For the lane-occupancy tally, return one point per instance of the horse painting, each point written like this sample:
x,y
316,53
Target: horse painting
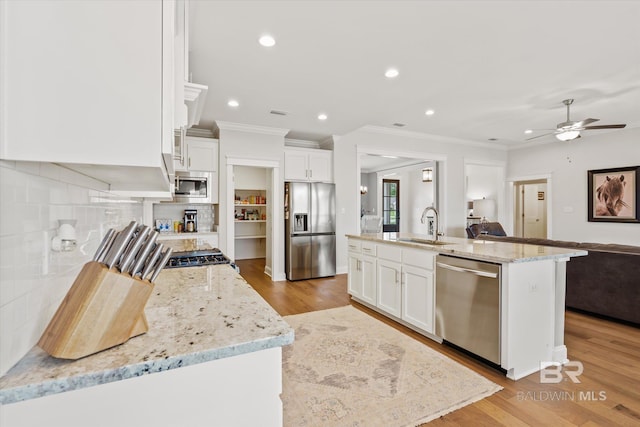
x,y
610,196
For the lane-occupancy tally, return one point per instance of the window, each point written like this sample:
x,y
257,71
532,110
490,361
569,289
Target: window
x,y
390,205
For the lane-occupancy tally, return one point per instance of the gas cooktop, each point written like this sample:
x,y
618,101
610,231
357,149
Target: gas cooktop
x,y
197,258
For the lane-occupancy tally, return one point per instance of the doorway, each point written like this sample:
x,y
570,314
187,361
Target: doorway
x,y
269,171
531,198
390,205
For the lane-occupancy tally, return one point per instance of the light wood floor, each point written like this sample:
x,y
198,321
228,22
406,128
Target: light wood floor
x,y
608,394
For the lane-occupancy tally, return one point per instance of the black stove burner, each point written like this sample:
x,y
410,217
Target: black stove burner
x,y
197,258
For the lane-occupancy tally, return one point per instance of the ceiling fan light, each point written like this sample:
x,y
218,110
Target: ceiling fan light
x,y
568,135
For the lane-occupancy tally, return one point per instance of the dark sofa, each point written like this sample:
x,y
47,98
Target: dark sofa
x,y
606,282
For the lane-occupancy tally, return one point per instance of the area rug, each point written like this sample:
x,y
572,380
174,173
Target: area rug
x,y
346,368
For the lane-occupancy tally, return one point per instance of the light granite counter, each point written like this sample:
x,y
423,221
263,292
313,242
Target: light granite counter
x,y
195,315
485,250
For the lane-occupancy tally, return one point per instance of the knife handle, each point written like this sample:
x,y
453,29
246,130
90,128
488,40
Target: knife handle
x,y
160,265
129,256
104,246
120,244
144,253
152,260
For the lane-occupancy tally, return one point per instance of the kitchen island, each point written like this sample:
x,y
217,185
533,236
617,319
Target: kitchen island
x,y
213,350
395,274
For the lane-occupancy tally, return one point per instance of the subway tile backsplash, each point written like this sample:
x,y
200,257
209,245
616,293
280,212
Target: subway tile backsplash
x,y
33,278
175,212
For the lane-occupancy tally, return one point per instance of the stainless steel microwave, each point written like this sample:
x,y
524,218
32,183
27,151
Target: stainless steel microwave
x,y
193,187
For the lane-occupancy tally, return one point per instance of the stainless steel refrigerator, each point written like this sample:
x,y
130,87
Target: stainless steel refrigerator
x,y
310,230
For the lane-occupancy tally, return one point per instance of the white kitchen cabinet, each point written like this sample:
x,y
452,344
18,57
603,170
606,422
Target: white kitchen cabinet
x,y
305,164
418,288
189,97
362,273
389,289
398,281
200,154
418,297
80,93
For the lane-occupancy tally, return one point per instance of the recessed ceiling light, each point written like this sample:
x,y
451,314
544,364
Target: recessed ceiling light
x,y
528,131
493,139
391,73
267,40
233,103
429,112
322,116
389,157
399,125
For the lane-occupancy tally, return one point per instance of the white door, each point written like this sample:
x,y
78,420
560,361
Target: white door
x,y
417,297
202,155
389,288
534,211
295,165
354,276
368,273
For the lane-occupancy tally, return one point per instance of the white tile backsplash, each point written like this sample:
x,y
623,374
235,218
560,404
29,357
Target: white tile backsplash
x,y
34,279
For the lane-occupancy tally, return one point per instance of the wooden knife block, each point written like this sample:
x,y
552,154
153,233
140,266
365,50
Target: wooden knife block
x,y
102,309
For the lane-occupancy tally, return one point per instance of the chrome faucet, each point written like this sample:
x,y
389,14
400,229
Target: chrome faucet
x,y
424,217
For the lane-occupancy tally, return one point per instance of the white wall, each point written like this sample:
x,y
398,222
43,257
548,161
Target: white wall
x,y
34,279
451,176
487,181
567,163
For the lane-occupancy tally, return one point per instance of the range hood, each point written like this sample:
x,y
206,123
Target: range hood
x,y
194,98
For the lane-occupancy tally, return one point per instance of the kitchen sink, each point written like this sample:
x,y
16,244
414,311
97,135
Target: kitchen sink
x,y
423,241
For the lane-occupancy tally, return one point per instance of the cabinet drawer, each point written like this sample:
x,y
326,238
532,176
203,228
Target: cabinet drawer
x,y
369,248
354,245
390,252
418,258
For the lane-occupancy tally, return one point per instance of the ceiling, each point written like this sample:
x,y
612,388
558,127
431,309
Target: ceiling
x,y
489,69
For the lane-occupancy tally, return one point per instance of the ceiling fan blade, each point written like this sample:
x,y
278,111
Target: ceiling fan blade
x,y
584,122
539,136
606,127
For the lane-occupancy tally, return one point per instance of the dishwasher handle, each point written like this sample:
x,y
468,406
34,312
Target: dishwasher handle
x,y
467,270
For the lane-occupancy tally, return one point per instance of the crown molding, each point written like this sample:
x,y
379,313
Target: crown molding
x,y
419,135
290,142
241,127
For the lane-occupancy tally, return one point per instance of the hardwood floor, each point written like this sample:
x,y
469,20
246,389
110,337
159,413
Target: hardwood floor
x,y
608,393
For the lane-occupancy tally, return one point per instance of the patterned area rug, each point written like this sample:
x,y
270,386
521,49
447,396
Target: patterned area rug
x,y
346,368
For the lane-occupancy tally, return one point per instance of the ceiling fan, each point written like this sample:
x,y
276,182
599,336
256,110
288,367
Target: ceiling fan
x,y
566,131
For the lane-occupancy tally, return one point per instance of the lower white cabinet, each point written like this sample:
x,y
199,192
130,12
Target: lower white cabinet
x,y
397,281
362,275
418,297
389,287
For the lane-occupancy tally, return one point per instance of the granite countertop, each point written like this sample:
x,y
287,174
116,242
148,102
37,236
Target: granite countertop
x,y
485,250
195,315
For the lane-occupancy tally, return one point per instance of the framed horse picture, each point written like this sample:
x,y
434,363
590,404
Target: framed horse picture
x,y
614,194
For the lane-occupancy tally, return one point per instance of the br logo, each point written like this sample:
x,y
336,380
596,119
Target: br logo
x,y
552,372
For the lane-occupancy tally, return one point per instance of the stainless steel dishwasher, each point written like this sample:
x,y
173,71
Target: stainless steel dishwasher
x,y
468,305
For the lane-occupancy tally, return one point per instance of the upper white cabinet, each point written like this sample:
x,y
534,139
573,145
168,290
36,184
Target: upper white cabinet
x,y
189,97
90,85
306,164
200,154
